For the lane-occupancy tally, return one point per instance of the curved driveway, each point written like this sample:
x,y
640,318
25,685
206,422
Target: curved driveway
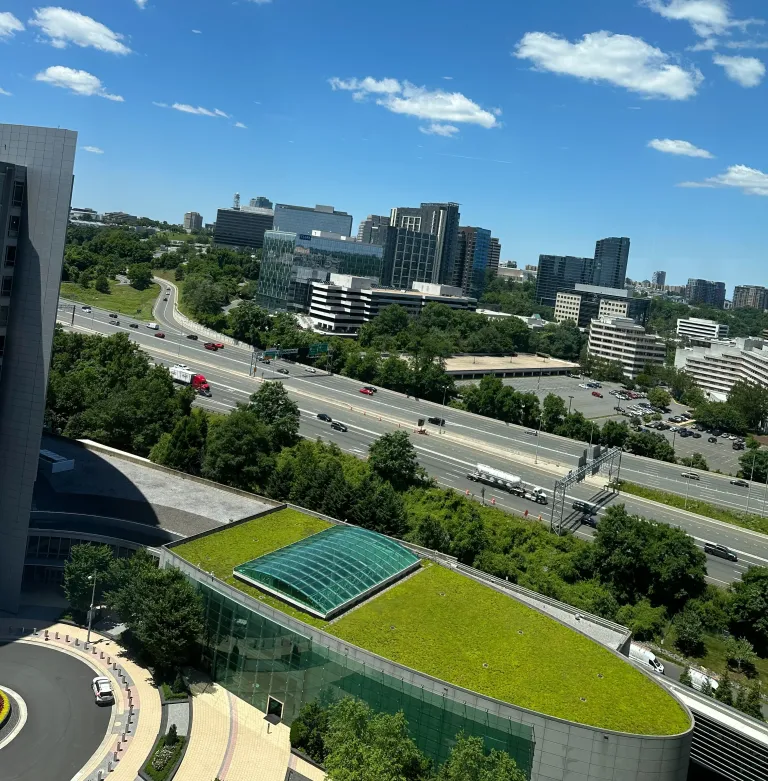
x,y
64,727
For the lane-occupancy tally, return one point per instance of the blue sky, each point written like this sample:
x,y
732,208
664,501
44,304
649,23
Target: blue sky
x,y
553,122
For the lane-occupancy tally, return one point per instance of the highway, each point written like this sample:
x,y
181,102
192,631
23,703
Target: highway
x,y
447,456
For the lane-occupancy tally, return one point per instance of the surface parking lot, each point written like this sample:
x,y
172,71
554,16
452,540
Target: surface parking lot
x,y
718,456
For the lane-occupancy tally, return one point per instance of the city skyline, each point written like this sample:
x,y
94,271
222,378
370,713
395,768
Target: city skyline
x,y
513,127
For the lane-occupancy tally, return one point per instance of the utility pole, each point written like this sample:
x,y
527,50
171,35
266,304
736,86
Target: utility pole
x,y
538,439
90,612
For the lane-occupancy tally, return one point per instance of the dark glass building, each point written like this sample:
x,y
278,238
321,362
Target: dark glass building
x,y
291,262
610,266
373,229
558,273
704,291
473,260
305,219
242,228
409,256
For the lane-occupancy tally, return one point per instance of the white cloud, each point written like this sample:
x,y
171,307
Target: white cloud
x,y
439,106
63,27
9,25
747,71
448,78
5,92
672,147
437,129
260,2
241,125
748,44
142,4
750,181
186,108
197,32
617,59
79,82
160,105
93,150
706,17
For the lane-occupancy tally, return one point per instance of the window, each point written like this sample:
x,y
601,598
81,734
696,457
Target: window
x,y
18,194
10,255
3,315
5,288
2,345
13,226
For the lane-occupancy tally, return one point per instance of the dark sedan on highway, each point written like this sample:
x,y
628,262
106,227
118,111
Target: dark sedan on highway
x,y
740,483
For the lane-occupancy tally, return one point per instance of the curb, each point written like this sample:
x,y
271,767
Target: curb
x,y
5,708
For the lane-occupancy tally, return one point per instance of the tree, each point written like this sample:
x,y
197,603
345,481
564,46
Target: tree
x,y
272,406
695,461
685,678
724,691
184,447
84,563
140,275
393,457
614,433
645,621
308,730
247,322
362,745
750,701
751,401
749,607
658,397
740,651
127,577
689,632
101,284
430,533
553,412
469,762
238,451
754,465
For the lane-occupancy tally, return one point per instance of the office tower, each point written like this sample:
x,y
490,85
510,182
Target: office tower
x,y
703,291
750,297
292,261
36,166
304,219
622,340
260,202
242,228
373,229
472,260
441,220
659,279
409,256
494,256
611,258
558,273
586,303
193,221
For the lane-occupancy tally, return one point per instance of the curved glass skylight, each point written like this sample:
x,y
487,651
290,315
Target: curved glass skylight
x,y
329,571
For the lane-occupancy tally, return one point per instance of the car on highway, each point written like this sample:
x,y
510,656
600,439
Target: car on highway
x,y
531,433
102,691
310,369
116,322
165,299
690,475
436,421
193,337
740,483
133,325
713,440
159,334
86,309
113,315
283,371
720,551
366,391
336,426
323,416
210,346
597,394
219,345
370,388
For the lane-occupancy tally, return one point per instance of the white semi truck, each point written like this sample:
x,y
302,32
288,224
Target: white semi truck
x,y
184,375
508,482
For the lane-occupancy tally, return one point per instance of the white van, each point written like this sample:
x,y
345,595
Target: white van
x,y
699,680
645,657
153,326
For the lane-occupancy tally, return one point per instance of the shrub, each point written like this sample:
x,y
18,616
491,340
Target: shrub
x,y
172,738
162,757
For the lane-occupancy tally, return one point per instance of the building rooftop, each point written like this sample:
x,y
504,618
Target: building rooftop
x,y
456,629
463,363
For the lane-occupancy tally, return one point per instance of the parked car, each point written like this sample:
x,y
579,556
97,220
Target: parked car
x,y
690,475
133,325
696,435
713,440
113,315
740,483
210,346
366,391
720,551
193,337
323,416
283,371
436,421
102,691
597,394
159,334
336,426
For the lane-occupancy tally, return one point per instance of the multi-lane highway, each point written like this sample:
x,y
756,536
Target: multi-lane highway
x,y
447,455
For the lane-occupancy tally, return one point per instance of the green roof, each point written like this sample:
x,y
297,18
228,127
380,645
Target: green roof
x,y
449,626
330,570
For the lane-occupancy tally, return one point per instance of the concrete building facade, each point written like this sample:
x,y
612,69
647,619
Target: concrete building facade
x,y
704,291
622,340
700,330
373,229
193,221
587,302
659,279
750,297
36,174
494,256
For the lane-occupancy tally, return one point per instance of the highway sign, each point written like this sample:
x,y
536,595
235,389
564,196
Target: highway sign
x,y
291,351
318,349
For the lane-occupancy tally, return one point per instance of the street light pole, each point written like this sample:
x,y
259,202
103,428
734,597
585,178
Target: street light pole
x,y
687,488
751,478
538,439
90,612
570,401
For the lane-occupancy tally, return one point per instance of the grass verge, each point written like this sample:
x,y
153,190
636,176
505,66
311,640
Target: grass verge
x,y
5,708
755,523
437,621
124,299
161,775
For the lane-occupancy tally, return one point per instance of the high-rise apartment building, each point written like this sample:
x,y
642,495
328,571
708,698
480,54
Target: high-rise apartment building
x,y
242,228
36,167
193,221
409,256
750,297
305,219
260,202
557,273
611,259
373,229
659,279
494,256
442,221
703,291
472,260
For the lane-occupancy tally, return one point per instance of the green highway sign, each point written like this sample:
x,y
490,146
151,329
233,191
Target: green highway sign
x,y
318,349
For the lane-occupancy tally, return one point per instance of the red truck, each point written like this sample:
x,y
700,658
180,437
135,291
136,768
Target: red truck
x,y
186,376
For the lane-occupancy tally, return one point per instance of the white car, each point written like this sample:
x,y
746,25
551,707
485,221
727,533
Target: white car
x,y
584,385
102,691
86,309
310,370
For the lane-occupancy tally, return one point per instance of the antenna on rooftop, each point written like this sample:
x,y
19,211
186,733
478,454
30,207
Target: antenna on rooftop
x,y
236,204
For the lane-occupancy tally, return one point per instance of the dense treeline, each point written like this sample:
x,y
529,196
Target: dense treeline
x,y
742,322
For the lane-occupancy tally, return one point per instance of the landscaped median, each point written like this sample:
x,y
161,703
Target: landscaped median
x,y
166,757
136,304
5,708
756,523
